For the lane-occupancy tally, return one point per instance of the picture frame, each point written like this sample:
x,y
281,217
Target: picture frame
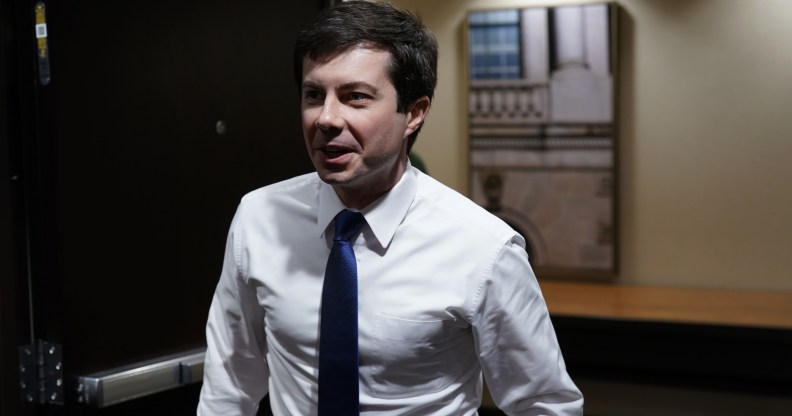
x,y
542,123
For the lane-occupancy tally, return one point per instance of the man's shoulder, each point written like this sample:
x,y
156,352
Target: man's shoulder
x,y
458,211
280,201
298,188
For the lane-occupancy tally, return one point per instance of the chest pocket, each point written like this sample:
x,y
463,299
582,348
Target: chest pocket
x,y
414,357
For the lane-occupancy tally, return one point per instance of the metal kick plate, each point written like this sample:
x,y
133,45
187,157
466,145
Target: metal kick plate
x,y
129,382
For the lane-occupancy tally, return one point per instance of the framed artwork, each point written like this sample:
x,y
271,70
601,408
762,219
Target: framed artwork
x,y
542,131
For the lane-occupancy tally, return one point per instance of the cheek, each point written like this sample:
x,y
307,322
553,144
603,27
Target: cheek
x,y
385,127
304,117
392,132
308,132
308,124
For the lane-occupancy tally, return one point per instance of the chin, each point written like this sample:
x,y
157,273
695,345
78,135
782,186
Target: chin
x,y
333,178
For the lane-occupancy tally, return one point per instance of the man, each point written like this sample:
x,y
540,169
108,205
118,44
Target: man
x,y
444,289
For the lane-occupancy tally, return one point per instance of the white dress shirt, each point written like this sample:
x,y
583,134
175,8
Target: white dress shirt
x,y
445,294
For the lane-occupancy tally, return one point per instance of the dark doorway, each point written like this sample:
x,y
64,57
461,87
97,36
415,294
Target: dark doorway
x,y
130,143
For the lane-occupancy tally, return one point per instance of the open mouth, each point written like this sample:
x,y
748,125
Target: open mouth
x,y
332,153
335,152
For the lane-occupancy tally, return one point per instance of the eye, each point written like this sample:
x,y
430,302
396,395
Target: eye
x,y
357,98
313,96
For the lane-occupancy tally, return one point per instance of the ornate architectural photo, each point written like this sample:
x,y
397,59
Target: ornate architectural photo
x,y
542,131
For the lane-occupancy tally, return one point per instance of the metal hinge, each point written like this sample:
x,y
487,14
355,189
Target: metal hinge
x,y
41,373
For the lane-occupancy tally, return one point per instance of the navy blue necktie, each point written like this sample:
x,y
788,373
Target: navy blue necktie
x,y
338,337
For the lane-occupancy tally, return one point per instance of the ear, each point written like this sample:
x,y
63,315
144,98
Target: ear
x,y
416,114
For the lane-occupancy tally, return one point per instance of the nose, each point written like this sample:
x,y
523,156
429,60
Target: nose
x,y
330,117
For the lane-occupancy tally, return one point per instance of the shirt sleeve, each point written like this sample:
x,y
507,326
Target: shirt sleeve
x,y
516,343
235,368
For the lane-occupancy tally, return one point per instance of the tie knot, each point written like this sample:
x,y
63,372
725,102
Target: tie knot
x,y
347,224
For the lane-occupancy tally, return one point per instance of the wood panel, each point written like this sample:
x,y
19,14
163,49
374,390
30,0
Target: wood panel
x,y
668,304
720,340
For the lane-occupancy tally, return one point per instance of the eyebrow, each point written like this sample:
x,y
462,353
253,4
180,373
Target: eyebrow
x,y
360,85
345,87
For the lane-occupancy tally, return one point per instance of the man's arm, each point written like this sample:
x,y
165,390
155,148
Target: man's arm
x,y
235,368
516,342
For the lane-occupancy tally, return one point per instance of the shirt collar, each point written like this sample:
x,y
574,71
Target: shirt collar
x,y
383,215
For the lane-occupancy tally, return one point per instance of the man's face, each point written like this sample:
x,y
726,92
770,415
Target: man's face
x,y
355,138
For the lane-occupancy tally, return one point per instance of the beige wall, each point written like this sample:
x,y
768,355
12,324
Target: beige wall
x,y
706,136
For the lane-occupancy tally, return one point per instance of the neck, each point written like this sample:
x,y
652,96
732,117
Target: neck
x,y
359,197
